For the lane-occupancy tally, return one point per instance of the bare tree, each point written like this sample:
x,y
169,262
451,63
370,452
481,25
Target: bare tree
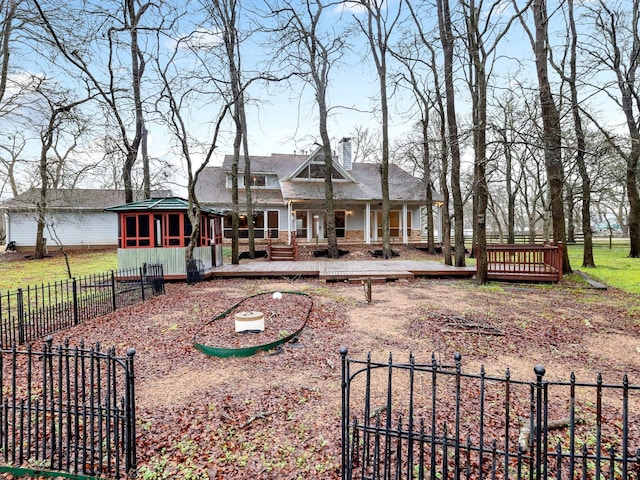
x,y
10,158
417,54
311,50
61,113
74,47
378,26
552,132
571,78
366,144
448,40
479,25
182,90
616,48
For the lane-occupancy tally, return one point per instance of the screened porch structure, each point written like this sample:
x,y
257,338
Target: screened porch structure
x,y
157,231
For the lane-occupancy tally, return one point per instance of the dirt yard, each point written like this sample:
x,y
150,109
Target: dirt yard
x,y
277,414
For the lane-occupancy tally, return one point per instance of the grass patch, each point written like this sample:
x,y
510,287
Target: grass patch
x,y
613,266
20,274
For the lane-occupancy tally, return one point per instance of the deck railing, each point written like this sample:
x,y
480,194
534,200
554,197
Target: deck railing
x,y
294,243
525,261
429,421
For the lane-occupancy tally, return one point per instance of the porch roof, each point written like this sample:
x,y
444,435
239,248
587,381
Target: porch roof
x,y
161,204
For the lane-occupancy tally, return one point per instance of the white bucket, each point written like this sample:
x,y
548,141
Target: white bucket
x,y
249,321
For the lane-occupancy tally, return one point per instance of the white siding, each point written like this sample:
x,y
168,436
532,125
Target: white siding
x,y
172,259
73,229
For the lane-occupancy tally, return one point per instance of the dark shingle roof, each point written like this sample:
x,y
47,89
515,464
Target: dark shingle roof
x,y
211,187
71,199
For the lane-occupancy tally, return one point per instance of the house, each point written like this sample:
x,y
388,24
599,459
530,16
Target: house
x,y
288,196
158,230
75,218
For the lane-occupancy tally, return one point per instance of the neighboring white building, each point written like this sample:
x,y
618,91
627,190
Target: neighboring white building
x,y
75,218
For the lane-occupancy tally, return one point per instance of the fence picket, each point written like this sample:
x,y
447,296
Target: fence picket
x,y
35,312
414,434
52,415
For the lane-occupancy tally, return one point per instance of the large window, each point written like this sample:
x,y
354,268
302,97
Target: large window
x,y
315,171
260,230
395,223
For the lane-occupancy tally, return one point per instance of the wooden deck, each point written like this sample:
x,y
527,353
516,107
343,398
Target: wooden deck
x,y
343,270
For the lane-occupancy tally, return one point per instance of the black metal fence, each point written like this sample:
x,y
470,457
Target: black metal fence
x,y
27,314
68,410
432,421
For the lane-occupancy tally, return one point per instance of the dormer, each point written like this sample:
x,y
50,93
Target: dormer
x,y
258,180
312,170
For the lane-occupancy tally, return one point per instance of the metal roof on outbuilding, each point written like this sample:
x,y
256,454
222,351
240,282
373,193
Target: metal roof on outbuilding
x,y
161,204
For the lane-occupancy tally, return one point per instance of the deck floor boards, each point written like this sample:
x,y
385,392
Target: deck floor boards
x,y
342,269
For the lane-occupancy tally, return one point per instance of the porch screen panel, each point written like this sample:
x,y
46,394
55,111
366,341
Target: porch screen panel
x,y
187,230
173,229
144,231
131,231
137,231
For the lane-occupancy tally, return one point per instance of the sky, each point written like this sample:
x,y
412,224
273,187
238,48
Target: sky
x,y
283,118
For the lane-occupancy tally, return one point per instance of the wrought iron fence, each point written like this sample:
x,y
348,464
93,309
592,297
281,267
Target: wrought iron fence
x,y
27,314
68,410
433,421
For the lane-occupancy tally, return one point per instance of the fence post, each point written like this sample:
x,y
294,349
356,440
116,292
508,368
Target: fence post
x,y
20,302
113,291
131,454
541,423
345,413
142,282
75,301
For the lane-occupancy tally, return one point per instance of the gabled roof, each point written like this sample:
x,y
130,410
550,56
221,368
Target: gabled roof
x,y
175,204
318,155
363,183
71,199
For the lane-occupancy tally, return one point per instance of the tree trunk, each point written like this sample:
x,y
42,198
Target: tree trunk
x,y
446,38
426,167
137,70
552,135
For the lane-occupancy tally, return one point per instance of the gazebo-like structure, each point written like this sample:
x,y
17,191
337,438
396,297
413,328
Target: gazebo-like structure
x,y
157,231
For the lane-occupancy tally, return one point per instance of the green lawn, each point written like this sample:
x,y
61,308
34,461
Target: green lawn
x,y
613,267
35,272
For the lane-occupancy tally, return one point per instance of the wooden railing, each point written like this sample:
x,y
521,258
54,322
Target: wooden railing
x,y
269,245
294,243
525,262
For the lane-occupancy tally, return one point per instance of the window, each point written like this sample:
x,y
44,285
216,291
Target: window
x,y
395,223
301,224
258,180
340,223
259,230
273,223
315,171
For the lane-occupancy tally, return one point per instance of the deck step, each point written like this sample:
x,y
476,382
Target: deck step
x,y
282,253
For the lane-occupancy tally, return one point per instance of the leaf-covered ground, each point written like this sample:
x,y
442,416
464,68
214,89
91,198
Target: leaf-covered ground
x,y
277,414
